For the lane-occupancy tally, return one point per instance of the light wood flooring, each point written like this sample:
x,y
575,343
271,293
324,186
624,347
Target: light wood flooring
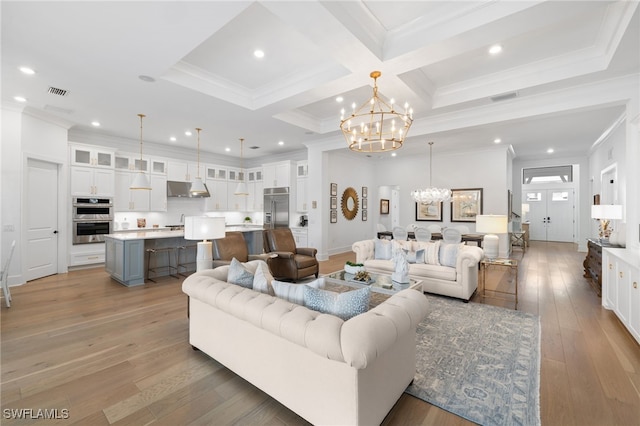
x,y
115,355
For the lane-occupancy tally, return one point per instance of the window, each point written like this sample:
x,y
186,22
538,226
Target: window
x,y
557,174
534,196
560,196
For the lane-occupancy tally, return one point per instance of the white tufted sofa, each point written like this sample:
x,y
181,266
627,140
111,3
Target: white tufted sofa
x,y
327,370
459,282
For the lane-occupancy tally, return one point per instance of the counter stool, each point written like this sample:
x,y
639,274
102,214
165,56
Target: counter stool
x,y
155,252
182,262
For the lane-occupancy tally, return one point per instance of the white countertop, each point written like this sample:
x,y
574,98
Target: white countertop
x,y
145,235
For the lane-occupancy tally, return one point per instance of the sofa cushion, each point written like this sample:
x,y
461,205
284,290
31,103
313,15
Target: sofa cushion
x,y
294,293
414,256
383,249
239,275
449,253
343,305
431,251
379,265
262,279
433,271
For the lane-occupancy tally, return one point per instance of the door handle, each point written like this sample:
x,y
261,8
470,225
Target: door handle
x,y
55,232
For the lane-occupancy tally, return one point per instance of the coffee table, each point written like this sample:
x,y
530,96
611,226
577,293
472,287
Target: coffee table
x,y
381,283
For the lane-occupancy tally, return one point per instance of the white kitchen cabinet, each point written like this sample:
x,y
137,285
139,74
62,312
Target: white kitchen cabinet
x,y
301,195
92,181
300,236
276,175
621,287
158,195
255,199
184,171
235,202
131,162
158,167
129,200
82,155
218,195
215,172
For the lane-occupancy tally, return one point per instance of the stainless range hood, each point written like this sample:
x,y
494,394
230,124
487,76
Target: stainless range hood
x,y
183,190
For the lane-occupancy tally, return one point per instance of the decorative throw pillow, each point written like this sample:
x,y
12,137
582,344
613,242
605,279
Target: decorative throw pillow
x,y
294,293
449,254
344,305
415,256
262,279
382,249
239,275
431,251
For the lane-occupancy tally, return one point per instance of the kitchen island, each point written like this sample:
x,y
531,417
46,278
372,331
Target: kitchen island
x,y
127,254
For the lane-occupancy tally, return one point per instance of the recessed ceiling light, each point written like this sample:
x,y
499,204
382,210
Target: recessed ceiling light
x,y
147,78
27,70
280,143
550,151
258,53
20,99
393,154
188,133
495,49
172,139
497,140
227,149
339,99
95,123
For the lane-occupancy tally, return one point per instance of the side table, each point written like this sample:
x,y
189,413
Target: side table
x,y
512,264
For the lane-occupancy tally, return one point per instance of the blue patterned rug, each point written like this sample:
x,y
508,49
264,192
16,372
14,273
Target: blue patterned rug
x,y
479,362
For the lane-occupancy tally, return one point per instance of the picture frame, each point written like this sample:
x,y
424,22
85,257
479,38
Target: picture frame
x,y
334,203
334,189
365,204
466,204
429,212
333,216
365,191
364,215
384,206
596,200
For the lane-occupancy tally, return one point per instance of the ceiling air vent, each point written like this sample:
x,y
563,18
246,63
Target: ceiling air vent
x,y
504,96
254,147
56,91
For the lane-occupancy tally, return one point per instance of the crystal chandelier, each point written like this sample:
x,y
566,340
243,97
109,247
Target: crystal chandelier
x,y
141,181
431,194
197,186
375,126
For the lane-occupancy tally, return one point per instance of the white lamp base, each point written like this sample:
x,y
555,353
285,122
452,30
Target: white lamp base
x,y
490,244
204,256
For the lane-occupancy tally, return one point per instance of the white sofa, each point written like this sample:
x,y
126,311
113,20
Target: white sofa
x,y
460,282
327,370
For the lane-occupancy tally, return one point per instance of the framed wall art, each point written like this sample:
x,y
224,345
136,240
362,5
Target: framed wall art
x,y
334,203
333,216
334,189
364,215
364,192
466,204
384,206
429,211
365,204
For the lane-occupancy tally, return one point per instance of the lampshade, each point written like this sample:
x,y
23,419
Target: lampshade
x,y
606,211
197,186
491,224
203,228
241,189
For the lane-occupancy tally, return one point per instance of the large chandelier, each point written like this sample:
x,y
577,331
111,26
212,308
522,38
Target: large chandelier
x,y
431,194
376,126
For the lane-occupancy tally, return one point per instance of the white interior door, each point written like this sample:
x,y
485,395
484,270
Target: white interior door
x,y
551,214
42,219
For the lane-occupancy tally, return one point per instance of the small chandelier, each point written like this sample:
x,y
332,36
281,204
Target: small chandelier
x,y
376,126
241,189
141,181
197,187
431,194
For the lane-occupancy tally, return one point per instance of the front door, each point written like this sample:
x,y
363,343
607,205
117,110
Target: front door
x,y
42,219
551,214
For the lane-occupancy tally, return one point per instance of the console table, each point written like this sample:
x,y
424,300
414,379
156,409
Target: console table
x,y
593,263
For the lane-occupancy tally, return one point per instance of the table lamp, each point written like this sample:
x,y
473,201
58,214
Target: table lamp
x,y
491,224
204,228
605,213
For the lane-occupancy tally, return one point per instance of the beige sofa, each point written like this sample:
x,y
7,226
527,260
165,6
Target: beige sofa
x,y
329,371
460,282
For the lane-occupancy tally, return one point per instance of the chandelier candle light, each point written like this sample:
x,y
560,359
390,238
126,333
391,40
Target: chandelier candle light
x,y
141,181
197,187
241,189
431,194
375,126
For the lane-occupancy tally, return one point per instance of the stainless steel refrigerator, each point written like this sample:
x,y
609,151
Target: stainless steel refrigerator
x,y
276,208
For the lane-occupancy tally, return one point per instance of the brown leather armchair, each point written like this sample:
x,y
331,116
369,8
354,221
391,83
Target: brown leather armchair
x,y
291,262
233,245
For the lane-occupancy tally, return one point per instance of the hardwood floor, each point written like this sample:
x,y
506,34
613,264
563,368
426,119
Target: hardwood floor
x,y
115,355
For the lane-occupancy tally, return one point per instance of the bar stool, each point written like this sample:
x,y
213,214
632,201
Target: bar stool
x,y
158,251
183,261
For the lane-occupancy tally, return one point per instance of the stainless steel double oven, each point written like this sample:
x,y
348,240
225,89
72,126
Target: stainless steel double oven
x,y
92,219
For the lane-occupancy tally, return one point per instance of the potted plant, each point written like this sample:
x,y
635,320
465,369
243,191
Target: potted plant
x,y
353,268
247,219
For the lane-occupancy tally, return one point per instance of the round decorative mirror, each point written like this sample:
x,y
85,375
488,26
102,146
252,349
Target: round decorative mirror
x,y
349,203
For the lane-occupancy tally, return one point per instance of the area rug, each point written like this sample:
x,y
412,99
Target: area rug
x,y
479,362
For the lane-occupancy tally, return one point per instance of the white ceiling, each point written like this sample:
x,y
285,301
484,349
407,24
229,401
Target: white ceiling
x,y
561,58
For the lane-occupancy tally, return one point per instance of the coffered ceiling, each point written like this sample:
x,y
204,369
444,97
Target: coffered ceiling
x,y
565,70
